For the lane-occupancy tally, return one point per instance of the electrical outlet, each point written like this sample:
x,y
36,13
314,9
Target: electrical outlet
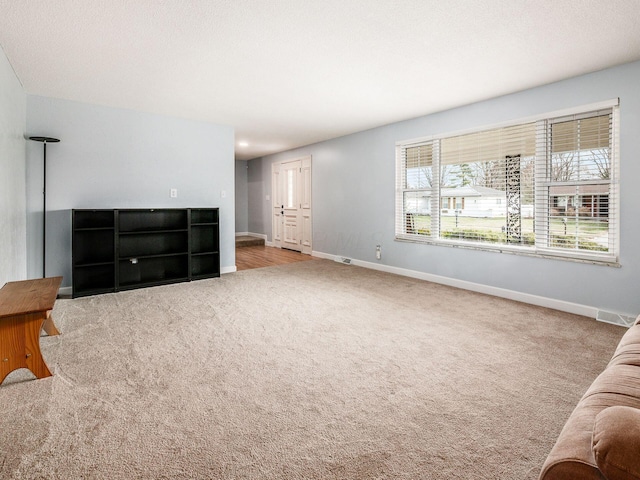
x,y
173,193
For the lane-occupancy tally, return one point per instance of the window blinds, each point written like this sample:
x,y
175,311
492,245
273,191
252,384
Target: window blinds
x,y
416,186
575,189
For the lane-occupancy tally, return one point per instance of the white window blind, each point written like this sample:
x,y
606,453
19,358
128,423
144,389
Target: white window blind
x,y
546,186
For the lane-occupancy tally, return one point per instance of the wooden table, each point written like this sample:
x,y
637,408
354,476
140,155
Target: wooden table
x,y
25,309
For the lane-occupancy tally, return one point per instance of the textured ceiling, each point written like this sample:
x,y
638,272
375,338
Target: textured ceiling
x,y
286,73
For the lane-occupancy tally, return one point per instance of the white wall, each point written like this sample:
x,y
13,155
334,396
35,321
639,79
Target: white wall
x,y
115,158
13,253
354,198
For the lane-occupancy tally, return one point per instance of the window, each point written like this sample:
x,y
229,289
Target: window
x,y
577,184
547,186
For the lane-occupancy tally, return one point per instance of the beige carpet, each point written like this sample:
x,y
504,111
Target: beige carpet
x,y
313,370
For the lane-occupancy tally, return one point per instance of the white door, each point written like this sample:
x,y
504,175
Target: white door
x,y
290,206
291,192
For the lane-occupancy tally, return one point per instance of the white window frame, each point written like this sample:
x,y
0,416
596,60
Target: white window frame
x,y
541,206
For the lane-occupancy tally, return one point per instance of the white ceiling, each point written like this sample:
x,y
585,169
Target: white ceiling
x,y
286,73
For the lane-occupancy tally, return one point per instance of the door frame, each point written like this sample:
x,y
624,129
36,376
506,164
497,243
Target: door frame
x,y
303,185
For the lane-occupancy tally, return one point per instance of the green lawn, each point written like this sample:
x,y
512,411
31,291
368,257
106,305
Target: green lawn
x,y
592,233
584,225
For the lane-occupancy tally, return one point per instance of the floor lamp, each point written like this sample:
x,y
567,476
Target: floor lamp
x,y
44,141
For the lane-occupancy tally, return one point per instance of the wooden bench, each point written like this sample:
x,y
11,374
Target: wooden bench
x,y
25,309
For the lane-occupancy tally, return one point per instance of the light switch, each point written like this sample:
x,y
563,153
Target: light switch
x,y
223,193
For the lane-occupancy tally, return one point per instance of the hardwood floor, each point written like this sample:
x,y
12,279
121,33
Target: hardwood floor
x,y
262,256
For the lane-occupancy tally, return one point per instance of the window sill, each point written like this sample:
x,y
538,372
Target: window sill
x,y
605,260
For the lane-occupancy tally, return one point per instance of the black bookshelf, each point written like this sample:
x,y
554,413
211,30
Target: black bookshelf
x,y
123,249
204,246
93,252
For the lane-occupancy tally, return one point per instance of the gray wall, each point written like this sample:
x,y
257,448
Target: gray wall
x,y
354,197
114,158
259,181
13,252
242,197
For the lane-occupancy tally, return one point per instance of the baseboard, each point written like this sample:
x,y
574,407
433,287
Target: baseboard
x,y
65,291
224,270
540,301
251,234
326,256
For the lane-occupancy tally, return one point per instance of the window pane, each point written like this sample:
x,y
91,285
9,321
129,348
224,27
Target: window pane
x,y
419,177
579,217
290,189
580,149
419,162
487,181
417,208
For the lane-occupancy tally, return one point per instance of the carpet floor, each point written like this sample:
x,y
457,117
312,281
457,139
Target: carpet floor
x,y
312,370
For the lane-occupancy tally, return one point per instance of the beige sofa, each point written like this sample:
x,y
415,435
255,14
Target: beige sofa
x,y
601,439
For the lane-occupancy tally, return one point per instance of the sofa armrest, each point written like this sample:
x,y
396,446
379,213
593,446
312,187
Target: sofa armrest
x,y
616,442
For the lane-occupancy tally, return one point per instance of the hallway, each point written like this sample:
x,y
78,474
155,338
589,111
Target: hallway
x,y
258,256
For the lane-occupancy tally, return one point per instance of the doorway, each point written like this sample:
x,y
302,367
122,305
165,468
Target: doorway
x,y
291,205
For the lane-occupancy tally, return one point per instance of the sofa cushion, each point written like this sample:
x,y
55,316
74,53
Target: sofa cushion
x,y
628,350
616,443
616,385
